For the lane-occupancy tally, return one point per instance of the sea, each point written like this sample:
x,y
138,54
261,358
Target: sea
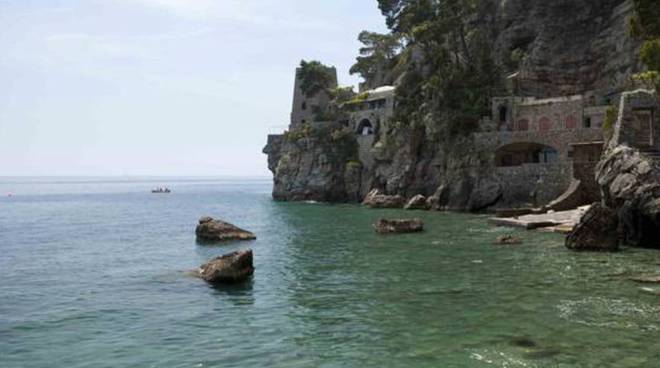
x,y
95,272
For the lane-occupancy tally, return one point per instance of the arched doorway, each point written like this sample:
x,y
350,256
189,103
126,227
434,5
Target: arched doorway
x,y
365,127
516,154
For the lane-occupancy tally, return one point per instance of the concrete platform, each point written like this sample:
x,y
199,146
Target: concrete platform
x,y
561,221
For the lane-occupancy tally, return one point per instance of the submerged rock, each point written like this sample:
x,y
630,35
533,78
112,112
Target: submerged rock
x,y
646,279
597,230
399,226
375,199
508,240
229,268
417,202
523,342
210,229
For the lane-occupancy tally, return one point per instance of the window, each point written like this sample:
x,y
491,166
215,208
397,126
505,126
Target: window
x,y
503,114
304,105
587,122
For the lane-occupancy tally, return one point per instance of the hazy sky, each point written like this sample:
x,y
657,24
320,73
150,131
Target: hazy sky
x,y
159,87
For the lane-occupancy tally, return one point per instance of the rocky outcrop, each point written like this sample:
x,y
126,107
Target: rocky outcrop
x,y
630,183
562,47
417,202
375,199
315,163
399,226
629,179
211,230
229,268
596,231
568,46
507,240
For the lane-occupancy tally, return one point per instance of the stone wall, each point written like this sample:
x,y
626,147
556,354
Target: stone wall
x,y
627,127
534,184
304,107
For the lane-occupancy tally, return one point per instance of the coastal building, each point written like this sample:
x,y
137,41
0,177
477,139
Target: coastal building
x,y
309,108
541,144
370,110
543,151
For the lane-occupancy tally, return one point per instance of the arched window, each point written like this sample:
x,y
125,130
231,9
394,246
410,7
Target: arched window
x,y
522,125
365,128
571,122
545,124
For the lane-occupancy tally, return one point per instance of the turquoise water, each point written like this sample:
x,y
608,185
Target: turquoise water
x,y
93,274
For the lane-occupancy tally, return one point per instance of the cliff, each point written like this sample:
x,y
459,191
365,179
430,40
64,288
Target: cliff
x,y
559,47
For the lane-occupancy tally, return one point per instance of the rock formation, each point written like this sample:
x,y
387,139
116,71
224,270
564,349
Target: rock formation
x,y
629,180
507,240
375,199
596,231
399,226
229,268
211,230
417,202
566,47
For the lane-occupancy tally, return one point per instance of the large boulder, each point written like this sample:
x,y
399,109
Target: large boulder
x,y
439,199
210,229
229,268
399,226
417,202
375,199
630,183
597,230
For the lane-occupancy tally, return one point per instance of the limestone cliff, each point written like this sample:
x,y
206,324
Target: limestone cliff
x,y
564,47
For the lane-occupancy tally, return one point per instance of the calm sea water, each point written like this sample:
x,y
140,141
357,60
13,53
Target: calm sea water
x,y
93,274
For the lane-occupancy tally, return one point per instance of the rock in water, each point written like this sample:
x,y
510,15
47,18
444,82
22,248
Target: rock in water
x,y
400,226
597,230
508,240
375,199
229,268
210,229
654,279
417,202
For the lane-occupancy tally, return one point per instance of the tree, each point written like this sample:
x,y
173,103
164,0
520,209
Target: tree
x,y
315,77
377,55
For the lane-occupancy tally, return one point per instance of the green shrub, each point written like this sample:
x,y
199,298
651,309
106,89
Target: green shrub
x,y
315,77
611,115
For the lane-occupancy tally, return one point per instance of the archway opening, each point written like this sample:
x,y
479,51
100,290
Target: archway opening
x,y
365,127
516,154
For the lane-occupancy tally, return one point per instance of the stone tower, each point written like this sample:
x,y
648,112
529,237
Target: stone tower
x,y
306,108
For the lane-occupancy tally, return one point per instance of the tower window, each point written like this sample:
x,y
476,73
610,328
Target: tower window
x,y
304,105
503,114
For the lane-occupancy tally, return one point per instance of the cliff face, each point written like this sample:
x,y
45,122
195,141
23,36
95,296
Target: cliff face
x,y
567,47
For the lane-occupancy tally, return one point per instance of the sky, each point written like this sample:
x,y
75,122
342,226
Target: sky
x,y
160,87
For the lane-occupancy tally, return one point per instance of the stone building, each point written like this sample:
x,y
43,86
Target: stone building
x,y
368,114
308,109
537,144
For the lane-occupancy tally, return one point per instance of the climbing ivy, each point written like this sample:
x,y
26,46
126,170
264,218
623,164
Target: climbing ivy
x,y
315,77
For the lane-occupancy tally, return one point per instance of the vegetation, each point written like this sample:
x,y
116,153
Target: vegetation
x,y
610,120
449,73
315,77
646,25
377,56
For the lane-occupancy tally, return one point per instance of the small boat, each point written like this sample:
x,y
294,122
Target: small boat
x,y
161,190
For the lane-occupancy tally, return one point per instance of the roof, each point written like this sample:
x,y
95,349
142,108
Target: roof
x,y
380,92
